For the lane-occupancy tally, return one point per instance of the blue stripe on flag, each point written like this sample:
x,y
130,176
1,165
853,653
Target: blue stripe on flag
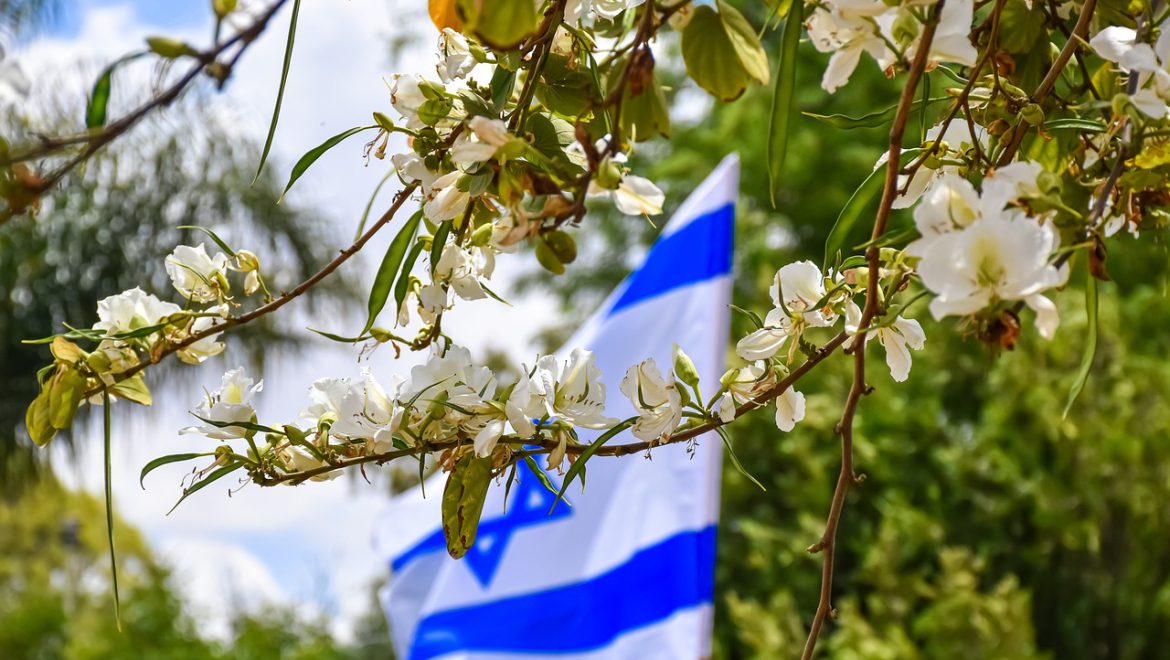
x,y
676,574
698,252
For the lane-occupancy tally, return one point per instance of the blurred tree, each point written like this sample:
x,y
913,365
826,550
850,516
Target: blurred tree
x,y
55,600
108,228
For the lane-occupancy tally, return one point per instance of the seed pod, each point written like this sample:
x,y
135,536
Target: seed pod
x,y
548,259
562,245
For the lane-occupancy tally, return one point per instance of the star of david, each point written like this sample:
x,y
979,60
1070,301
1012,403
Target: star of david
x,y
528,506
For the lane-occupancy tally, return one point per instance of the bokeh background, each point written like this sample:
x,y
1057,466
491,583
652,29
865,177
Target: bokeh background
x,y
989,526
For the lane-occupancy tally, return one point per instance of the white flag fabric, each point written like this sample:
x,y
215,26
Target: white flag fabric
x,y
627,570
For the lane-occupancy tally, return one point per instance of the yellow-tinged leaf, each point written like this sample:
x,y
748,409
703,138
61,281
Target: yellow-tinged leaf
x,y
66,390
747,45
36,419
1153,154
443,15
501,24
133,389
463,499
710,56
66,351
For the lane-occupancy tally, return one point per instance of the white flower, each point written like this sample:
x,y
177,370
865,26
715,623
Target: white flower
x,y
232,402
407,97
1001,257
411,168
464,268
957,138
446,201
751,381
798,287
362,410
199,277
455,59
952,37
204,348
847,38
585,10
579,395
1119,44
132,310
297,459
789,409
898,339
656,399
453,376
637,195
726,407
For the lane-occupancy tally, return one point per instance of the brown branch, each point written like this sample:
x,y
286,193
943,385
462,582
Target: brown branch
x,y
873,307
1049,82
547,444
284,299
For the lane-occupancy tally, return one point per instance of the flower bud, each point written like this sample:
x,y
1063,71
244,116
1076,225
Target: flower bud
x,y
383,122
1033,114
684,368
247,261
223,7
381,335
169,48
905,28
609,175
437,408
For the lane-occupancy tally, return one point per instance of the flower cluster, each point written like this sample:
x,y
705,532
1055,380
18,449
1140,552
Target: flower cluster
x,y
1120,45
889,32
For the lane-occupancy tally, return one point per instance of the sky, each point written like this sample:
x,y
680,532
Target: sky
x,y
308,546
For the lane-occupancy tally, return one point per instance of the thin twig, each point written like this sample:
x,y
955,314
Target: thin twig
x,y
873,307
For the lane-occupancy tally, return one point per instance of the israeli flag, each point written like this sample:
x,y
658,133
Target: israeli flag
x,y
627,570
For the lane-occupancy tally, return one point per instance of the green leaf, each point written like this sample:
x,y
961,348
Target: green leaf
x,y
204,482
540,475
144,331
99,98
339,338
843,228
754,317
710,56
110,506
402,287
1023,26
361,229
215,237
132,389
313,154
501,24
871,120
746,42
37,419
166,460
735,459
248,426
437,244
783,100
839,235
463,499
1086,366
1075,124
288,51
564,90
502,84
384,280
578,467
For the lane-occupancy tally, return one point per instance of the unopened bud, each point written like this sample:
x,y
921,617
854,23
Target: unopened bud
x,y
223,7
1033,114
247,261
384,122
684,368
169,48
